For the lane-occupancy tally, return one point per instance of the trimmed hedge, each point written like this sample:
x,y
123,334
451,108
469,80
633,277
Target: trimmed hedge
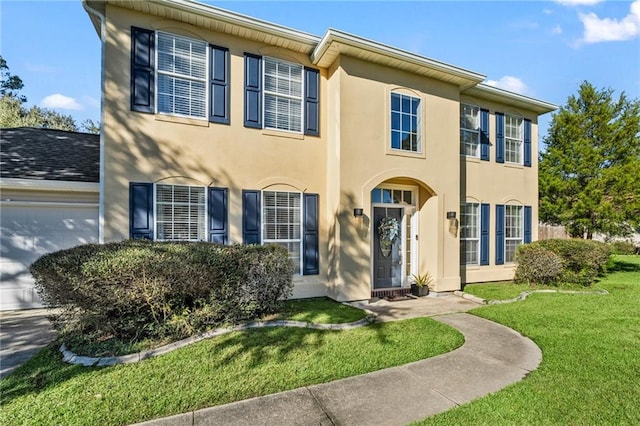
x,y
582,260
624,247
537,265
141,289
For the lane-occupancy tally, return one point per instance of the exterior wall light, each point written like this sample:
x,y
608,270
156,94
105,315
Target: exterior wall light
x,y
453,224
358,213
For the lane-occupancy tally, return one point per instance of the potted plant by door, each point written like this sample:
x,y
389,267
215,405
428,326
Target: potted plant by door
x,y
421,284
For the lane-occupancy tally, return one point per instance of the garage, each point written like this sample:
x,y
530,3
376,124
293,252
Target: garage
x,y
49,201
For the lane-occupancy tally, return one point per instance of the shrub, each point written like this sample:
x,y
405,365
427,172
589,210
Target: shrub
x,y
142,289
537,265
582,260
623,247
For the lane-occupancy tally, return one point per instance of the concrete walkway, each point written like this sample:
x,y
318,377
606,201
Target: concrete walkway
x,y
22,335
492,357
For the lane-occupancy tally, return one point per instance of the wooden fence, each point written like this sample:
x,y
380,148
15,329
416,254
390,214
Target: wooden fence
x,y
547,232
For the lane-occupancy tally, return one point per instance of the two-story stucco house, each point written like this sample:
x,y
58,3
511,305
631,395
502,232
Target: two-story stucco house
x,y
226,128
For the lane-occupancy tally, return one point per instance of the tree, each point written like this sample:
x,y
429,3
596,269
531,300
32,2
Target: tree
x,y
90,126
14,114
590,172
10,84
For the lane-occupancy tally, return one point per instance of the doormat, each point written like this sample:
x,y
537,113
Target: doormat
x,y
398,297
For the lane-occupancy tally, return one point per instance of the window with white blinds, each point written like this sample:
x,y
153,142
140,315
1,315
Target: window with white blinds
x,y
282,223
513,139
180,213
282,95
513,231
470,233
469,130
182,75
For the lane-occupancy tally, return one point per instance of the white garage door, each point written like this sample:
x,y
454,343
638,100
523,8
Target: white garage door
x,y
29,230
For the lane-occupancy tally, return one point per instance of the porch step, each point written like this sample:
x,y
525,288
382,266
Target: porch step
x,y
390,292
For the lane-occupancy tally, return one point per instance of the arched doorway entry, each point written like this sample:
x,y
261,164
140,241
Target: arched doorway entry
x,y
394,237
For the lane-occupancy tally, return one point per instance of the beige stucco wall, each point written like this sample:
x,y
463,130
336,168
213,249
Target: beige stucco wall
x,y
361,159
499,183
150,148
351,157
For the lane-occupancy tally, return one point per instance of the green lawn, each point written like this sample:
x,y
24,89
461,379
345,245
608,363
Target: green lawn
x,y
321,310
590,372
229,368
509,290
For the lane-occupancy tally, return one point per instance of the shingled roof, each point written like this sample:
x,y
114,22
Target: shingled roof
x,y
46,154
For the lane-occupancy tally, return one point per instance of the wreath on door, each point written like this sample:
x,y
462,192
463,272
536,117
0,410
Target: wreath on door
x,y
388,232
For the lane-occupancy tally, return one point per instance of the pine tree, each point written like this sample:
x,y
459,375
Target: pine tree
x,y
590,172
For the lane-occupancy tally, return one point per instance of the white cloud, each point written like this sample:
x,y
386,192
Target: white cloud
x,y
556,30
597,30
58,101
547,11
45,69
510,83
579,2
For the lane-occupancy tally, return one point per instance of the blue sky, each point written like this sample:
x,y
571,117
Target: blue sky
x,y
544,49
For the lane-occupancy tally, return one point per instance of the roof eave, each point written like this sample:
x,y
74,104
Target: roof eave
x,y
323,56
92,7
236,20
485,91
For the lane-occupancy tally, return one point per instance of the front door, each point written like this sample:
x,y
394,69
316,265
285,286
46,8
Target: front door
x,y
387,261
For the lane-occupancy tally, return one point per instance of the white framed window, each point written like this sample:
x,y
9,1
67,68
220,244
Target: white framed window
x,y
182,75
513,139
469,130
470,234
405,123
514,231
282,223
180,212
283,92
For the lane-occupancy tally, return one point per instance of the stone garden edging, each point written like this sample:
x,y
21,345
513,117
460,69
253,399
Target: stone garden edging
x,y
72,358
522,296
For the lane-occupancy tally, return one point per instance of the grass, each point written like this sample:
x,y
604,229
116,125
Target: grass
x,y
508,289
496,290
319,310
591,365
229,368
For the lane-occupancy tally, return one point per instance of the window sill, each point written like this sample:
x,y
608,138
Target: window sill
x,y
514,165
471,159
471,267
408,154
282,134
182,120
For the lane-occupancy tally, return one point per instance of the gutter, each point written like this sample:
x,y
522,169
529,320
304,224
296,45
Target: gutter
x,y
103,35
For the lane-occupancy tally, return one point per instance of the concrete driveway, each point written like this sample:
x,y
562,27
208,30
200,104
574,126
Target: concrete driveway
x,y
22,335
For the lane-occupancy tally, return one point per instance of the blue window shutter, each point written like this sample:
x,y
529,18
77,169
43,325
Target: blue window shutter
x,y
484,134
219,85
499,137
527,143
485,214
252,91
499,234
142,70
251,217
217,228
140,210
527,224
311,256
312,102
